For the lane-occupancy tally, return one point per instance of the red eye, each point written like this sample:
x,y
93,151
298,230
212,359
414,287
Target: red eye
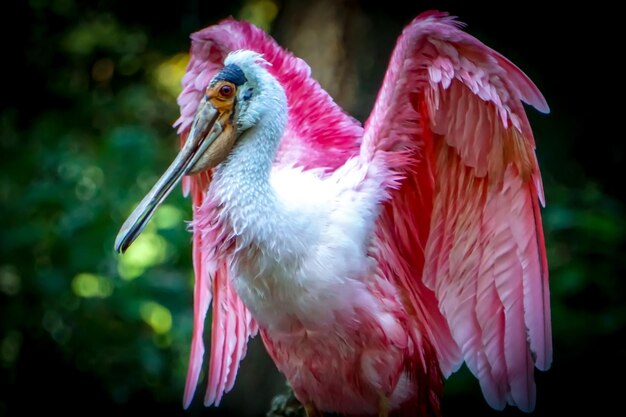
x,y
226,90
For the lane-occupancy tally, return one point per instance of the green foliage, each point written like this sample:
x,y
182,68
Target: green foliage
x,y
72,172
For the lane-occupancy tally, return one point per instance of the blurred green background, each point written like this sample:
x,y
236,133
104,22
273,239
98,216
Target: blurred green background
x,y
85,130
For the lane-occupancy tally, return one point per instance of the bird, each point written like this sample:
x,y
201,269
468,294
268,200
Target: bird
x,y
373,259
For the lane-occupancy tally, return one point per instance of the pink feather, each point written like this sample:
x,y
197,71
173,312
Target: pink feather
x,y
458,243
310,145
485,257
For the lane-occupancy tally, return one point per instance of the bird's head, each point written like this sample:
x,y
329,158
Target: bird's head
x,y
235,100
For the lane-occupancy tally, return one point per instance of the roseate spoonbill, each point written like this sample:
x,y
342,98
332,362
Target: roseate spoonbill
x,y
373,260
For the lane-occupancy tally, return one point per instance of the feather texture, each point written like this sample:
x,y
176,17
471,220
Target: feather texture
x,y
322,136
455,107
419,242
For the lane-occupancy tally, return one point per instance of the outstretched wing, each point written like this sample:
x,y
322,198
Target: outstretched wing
x,y
318,135
449,121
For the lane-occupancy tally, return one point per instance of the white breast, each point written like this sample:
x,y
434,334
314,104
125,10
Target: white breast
x,y
320,267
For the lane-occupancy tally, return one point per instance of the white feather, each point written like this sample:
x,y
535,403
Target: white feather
x,y
305,238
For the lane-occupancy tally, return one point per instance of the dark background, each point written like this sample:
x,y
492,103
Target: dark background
x,y
88,100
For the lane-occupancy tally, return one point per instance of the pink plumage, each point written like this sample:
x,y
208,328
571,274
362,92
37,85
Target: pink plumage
x,y
459,273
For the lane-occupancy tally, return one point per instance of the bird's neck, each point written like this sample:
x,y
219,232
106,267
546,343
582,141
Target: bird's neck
x,y
245,173
249,203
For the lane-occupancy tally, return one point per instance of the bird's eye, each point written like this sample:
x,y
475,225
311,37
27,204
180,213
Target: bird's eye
x,y
226,90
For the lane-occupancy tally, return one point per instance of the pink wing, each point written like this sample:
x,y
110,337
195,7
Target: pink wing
x,y
449,122
318,135
232,322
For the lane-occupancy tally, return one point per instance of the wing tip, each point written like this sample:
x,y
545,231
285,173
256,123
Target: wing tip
x,y
533,96
440,16
193,374
201,35
209,399
541,105
187,398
